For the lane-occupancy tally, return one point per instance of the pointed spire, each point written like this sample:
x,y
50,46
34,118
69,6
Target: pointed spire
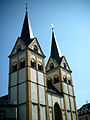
x,y
55,51
26,33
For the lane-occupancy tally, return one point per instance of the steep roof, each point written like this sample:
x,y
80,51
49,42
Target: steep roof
x,y
55,51
85,109
26,34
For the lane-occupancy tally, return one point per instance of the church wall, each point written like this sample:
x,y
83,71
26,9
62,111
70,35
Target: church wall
x,y
22,112
62,103
14,79
57,86
49,100
43,112
56,99
34,93
22,56
69,115
35,112
33,75
50,113
22,93
22,75
52,74
65,89
32,56
70,90
42,94
67,102
74,116
14,59
72,103
41,78
64,117
14,95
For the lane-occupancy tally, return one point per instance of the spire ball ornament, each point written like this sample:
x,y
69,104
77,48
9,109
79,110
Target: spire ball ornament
x,y
52,26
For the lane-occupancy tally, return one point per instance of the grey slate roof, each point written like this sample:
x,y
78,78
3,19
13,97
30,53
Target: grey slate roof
x,y
25,34
54,49
85,109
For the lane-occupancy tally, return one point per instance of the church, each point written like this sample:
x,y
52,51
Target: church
x,y
41,92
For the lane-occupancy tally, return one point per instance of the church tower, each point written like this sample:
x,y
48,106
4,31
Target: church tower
x,y
27,76
59,75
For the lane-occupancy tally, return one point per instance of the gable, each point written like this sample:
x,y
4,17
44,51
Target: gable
x,y
64,64
50,62
34,45
19,45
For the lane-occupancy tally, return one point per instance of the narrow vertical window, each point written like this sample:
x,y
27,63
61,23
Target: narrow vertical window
x,y
35,48
40,67
14,68
22,64
65,79
64,64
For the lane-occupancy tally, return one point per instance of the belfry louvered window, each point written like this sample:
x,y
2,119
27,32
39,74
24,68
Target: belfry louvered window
x,y
56,79
40,67
33,63
22,64
14,68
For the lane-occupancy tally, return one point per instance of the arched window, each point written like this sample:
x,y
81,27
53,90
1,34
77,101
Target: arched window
x,y
69,82
56,79
35,48
22,64
14,68
33,63
51,66
40,67
65,79
49,83
57,111
18,48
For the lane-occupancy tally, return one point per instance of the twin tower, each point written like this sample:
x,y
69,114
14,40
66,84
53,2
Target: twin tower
x,y
40,92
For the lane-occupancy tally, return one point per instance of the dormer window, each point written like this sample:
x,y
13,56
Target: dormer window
x,y
14,68
35,48
51,66
33,63
22,64
56,79
18,48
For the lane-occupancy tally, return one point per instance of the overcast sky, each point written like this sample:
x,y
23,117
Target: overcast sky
x,y
71,19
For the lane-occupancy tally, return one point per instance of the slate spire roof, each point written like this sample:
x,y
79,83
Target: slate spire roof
x,y
26,34
55,51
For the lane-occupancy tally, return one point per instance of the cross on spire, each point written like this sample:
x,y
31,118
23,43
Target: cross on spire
x,y
26,6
